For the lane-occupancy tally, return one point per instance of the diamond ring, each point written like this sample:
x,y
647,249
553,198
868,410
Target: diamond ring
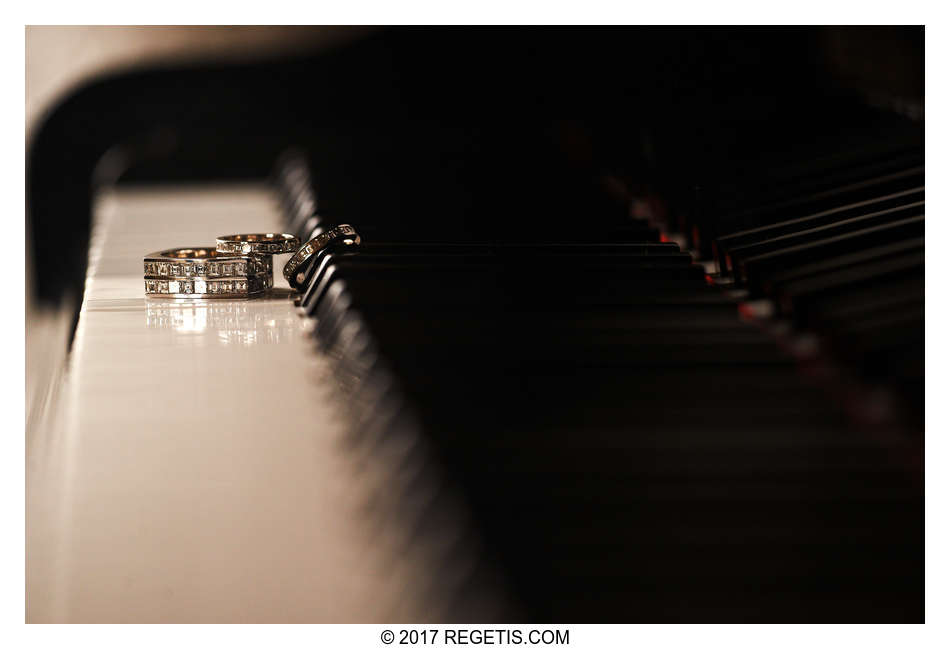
x,y
205,273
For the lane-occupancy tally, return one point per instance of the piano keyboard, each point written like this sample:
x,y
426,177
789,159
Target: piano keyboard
x,y
634,334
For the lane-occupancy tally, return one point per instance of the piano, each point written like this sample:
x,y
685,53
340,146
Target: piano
x,y
634,334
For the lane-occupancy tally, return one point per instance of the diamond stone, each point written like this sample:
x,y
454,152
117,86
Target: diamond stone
x,y
161,287
226,269
213,287
240,269
150,286
199,269
246,248
187,287
201,286
162,268
226,287
240,286
212,269
174,287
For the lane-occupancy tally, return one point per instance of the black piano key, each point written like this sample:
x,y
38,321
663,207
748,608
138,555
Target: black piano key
x,y
840,309
795,295
755,270
726,243
808,235
776,281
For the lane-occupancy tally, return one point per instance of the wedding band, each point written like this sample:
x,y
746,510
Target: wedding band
x,y
344,234
206,273
267,243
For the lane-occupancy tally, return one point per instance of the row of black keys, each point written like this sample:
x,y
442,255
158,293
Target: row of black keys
x,y
630,449
845,261
628,445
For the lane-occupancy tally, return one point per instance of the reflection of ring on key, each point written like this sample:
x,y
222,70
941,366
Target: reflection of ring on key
x,y
236,322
